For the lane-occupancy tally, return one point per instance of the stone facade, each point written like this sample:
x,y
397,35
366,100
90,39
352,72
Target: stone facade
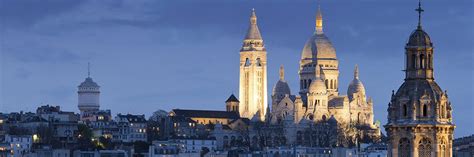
x,y
419,113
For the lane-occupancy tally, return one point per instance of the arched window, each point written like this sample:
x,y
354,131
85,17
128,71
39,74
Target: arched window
x,y
332,84
404,148
422,61
404,110
442,148
259,62
425,110
429,62
305,85
301,84
247,62
443,111
424,148
413,61
324,117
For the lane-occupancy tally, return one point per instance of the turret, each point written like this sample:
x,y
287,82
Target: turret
x,y
232,104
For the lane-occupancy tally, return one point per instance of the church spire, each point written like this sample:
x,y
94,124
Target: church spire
x,y
282,73
419,10
356,72
319,21
253,31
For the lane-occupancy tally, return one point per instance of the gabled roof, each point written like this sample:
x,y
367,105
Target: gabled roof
x,y
205,114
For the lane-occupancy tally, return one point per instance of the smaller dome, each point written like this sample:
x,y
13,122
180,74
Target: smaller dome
x,y
281,88
317,86
356,85
89,83
419,38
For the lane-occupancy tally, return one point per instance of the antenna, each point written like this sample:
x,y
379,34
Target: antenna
x,y
88,69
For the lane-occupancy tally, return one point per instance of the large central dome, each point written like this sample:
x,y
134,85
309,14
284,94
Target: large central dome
x,y
318,46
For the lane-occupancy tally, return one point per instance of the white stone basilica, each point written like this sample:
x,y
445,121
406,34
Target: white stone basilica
x,y
318,100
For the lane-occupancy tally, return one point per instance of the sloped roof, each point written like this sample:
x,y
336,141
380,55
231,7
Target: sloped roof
x,y
232,98
206,114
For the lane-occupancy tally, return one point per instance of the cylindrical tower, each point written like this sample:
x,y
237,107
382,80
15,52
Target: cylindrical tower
x,y
88,95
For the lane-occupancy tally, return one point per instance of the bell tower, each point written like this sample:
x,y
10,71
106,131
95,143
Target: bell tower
x,y
419,113
253,73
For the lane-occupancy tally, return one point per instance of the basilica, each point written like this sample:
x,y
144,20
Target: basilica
x,y
318,112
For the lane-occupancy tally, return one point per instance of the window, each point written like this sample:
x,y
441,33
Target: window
x,y
422,61
429,61
425,110
405,110
404,148
442,148
413,61
443,110
259,62
305,86
247,62
332,84
301,84
424,148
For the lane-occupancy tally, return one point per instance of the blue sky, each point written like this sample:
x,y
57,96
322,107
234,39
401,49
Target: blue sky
x,y
150,55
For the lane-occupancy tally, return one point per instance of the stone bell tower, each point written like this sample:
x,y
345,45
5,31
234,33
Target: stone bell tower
x,y
253,73
419,113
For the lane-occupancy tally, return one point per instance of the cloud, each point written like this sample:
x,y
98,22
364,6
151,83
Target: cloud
x,y
26,13
36,53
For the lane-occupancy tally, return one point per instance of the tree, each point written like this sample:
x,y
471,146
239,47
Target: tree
x,y
46,135
84,137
